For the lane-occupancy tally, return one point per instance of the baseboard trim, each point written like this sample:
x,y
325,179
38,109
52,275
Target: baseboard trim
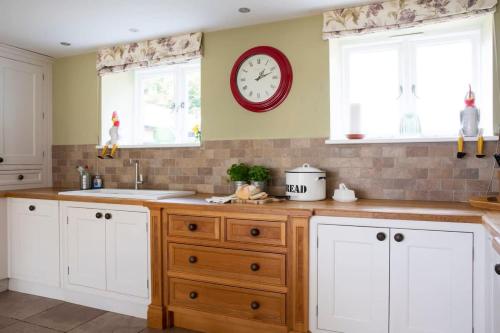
x,y
4,284
98,302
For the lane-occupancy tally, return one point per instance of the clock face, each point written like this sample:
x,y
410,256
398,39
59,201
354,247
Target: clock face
x,y
258,78
261,79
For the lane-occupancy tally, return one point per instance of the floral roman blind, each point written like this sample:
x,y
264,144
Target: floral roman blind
x,y
396,14
168,50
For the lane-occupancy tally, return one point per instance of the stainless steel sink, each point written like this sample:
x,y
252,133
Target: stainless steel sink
x,y
129,194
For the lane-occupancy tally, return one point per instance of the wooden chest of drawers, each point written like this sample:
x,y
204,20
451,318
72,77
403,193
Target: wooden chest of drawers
x,y
226,271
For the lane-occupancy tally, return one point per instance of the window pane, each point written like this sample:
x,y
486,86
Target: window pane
x,y
158,109
193,108
443,72
373,77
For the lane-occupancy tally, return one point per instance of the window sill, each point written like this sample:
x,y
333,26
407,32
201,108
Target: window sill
x,y
402,140
173,145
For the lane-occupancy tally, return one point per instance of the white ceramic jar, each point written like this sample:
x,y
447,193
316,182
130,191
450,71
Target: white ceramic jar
x,y
306,183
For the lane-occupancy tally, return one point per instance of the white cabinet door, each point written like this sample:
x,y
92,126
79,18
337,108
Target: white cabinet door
x,y
34,240
127,253
21,115
86,247
431,281
353,279
496,292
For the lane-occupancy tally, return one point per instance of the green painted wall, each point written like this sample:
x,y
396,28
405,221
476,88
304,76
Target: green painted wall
x,y
75,100
305,113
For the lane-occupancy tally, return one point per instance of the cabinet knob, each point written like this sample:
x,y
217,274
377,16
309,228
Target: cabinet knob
x,y
1,159
381,236
255,305
108,216
98,215
399,237
497,269
20,177
193,295
254,232
254,267
193,259
192,227
31,208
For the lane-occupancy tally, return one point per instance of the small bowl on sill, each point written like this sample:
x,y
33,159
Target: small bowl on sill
x,y
353,136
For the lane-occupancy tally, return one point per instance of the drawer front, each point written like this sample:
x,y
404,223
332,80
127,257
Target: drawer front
x,y
235,302
20,177
266,268
200,227
34,207
257,232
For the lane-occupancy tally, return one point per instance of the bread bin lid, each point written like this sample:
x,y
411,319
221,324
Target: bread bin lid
x,y
305,168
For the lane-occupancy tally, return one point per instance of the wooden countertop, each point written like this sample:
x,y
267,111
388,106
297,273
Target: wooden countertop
x,y
379,209
53,194
390,209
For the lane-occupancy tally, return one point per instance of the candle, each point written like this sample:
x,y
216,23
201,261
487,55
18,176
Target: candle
x,y
355,118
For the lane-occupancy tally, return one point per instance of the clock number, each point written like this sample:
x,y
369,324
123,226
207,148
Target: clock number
x,y
258,61
275,77
244,87
250,93
243,79
273,86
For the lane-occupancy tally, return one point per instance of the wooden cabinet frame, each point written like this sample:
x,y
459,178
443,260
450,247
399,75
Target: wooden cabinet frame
x,y
161,314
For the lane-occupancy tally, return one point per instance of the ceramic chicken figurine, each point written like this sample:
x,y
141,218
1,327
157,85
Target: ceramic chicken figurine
x,y
469,125
114,136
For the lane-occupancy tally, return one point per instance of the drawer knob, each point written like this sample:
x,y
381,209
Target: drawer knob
x,y
108,216
193,259
255,305
399,237
1,159
254,267
381,236
20,177
497,269
192,227
193,295
31,208
98,215
254,232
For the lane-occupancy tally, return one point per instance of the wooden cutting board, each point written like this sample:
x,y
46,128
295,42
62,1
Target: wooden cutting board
x,y
255,202
491,202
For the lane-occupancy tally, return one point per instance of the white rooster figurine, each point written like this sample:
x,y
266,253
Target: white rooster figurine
x,y
114,136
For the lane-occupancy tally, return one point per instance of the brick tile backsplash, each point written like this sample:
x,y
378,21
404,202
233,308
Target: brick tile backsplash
x,y
406,171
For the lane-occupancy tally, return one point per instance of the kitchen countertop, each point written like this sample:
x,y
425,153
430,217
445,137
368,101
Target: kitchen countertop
x,y
365,208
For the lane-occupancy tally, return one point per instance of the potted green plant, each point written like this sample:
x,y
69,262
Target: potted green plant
x,y
238,175
259,176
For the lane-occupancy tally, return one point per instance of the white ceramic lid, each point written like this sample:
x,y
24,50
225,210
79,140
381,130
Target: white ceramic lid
x,y
305,168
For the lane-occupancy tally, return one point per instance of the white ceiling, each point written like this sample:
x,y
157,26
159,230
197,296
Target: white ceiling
x,y
40,25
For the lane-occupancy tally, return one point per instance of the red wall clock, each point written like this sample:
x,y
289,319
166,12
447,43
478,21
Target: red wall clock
x,y
261,79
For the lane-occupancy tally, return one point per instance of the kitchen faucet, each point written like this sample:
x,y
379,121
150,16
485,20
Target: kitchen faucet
x,y
138,180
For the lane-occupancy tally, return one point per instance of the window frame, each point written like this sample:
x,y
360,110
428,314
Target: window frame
x,y
180,72
480,29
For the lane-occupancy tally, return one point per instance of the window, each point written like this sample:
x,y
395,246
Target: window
x,y
155,106
411,83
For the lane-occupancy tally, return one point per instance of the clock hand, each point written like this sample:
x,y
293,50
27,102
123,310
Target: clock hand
x,y
261,75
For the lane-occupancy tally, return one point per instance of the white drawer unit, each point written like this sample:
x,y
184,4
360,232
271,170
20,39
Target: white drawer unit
x,y
34,240
379,276
21,177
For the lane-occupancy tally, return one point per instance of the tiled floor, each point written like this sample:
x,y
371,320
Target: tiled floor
x,y
22,313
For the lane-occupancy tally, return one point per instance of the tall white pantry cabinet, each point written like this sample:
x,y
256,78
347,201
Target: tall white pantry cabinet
x,y
25,129
25,119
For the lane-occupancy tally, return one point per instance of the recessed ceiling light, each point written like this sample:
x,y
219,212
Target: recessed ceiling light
x,y
65,44
133,30
244,10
